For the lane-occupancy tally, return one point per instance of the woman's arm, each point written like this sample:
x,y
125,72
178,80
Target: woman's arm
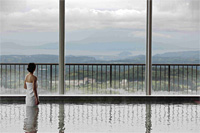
x,y
35,91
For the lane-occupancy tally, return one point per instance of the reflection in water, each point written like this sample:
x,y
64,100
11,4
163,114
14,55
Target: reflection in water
x,y
148,124
61,116
101,118
31,120
110,114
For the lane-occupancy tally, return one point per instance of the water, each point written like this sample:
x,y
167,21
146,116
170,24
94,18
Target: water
x,y
99,117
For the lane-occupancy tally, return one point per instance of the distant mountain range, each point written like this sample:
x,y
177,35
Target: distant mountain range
x,y
108,41
185,57
90,45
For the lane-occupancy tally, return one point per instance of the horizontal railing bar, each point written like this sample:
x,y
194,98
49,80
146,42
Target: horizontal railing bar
x,y
28,63
98,64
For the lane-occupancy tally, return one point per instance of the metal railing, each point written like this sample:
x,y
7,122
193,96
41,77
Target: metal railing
x,y
103,78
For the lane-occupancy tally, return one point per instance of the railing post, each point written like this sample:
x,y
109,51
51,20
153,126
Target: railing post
x,y
110,76
149,48
19,76
6,77
101,76
51,77
46,77
15,75
196,79
169,78
1,75
61,46
192,79
10,77
69,76
41,75
37,70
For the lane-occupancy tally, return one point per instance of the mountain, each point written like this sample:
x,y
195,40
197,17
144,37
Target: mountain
x,y
53,45
29,58
125,54
183,54
12,45
178,57
186,57
183,57
43,59
101,41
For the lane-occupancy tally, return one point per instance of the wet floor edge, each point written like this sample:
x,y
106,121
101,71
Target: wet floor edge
x,y
104,99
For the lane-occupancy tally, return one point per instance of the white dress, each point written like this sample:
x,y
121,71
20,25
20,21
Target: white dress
x,y
30,97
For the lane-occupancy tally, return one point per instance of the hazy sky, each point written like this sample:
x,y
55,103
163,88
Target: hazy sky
x,y
35,22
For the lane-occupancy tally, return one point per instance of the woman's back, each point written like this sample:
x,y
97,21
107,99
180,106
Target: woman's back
x,y
30,78
29,90
30,81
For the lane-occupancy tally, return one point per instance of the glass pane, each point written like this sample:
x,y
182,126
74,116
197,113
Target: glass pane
x,y
105,31
29,33
176,46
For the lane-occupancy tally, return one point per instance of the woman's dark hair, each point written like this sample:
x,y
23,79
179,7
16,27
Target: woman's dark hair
x,y
31,67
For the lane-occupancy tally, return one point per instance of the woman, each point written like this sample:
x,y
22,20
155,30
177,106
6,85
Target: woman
x,y
30,83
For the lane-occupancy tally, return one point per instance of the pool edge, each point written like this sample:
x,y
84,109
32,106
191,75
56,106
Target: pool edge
x,y
100,99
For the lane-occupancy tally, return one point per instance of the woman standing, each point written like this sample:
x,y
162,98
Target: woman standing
x,y
30,83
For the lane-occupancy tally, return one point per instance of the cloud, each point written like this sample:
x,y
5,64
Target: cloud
x,y
33,20
176,15
107,4
98,19
12,6
42,16
76,19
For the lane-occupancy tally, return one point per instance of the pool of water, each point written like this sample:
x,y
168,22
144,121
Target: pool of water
x,y
101,117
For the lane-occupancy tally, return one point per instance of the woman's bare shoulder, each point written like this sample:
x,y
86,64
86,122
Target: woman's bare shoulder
x,y
30,78
26,76
35,78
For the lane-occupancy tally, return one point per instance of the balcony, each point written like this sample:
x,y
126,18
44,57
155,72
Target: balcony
x,y
104,79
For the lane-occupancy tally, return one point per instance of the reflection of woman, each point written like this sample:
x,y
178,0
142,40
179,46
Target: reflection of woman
x,y
30,83
31,120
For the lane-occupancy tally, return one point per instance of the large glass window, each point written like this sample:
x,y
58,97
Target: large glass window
x,y
176,46
29,33
106,32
